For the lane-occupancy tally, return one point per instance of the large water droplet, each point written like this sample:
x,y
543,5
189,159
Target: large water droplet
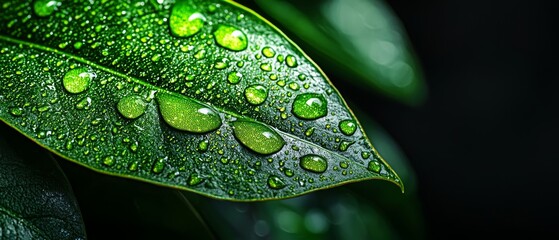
x,y
258,137
310,106
131,106
185,21
186,114
77,80
230,37
347,127
256,94
275,182
313,163
45,8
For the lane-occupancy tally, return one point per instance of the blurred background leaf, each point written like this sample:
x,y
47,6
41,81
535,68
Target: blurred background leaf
x,y
361,38
36,200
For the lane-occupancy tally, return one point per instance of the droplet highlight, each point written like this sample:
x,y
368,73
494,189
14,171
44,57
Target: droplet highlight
x,y
310,106
186,114
257,137
230,37
77,80
132,106
313,163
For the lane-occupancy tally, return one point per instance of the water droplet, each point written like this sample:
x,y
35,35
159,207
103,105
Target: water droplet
x,y
85,103
302,77
109,161
45,8
288,172
365,155
186,114
268,52
309,131
344,165
313,163
344,145
16,111
257,137
234,77
374,166
132,106
77,80
275,182
347,127
203,145
266,67
185,21
291,61
194,179
159,165
230,37
256,94
310,106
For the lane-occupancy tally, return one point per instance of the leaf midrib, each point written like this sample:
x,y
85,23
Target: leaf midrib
x,y
139,81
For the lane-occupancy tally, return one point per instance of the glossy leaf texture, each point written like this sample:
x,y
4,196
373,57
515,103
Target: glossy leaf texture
x,y
198,95
363,38
36,201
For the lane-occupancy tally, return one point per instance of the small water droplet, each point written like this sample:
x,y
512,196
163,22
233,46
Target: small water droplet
x,y
187,114
313,163
374,166
256,94
365,155
16,111
109,161
230,37
302,77
77,80
131,106
44,8
310,106
159,165
268,52
257,137
291,61
234,77
185,21
203,145
85,103
288,172
347,127
309,131
275,182
266,67
344,165
195,179
344,145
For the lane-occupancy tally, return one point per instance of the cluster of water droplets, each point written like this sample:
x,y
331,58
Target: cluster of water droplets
x,y
193,116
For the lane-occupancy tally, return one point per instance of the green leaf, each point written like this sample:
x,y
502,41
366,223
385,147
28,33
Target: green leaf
x,y
36,200
199,95
363,39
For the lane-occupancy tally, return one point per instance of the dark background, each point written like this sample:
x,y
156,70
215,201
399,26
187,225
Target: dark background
x,y
484,145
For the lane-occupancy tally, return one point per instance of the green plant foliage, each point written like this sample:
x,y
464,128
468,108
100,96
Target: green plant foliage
x,y
204,96
36,201
362,38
